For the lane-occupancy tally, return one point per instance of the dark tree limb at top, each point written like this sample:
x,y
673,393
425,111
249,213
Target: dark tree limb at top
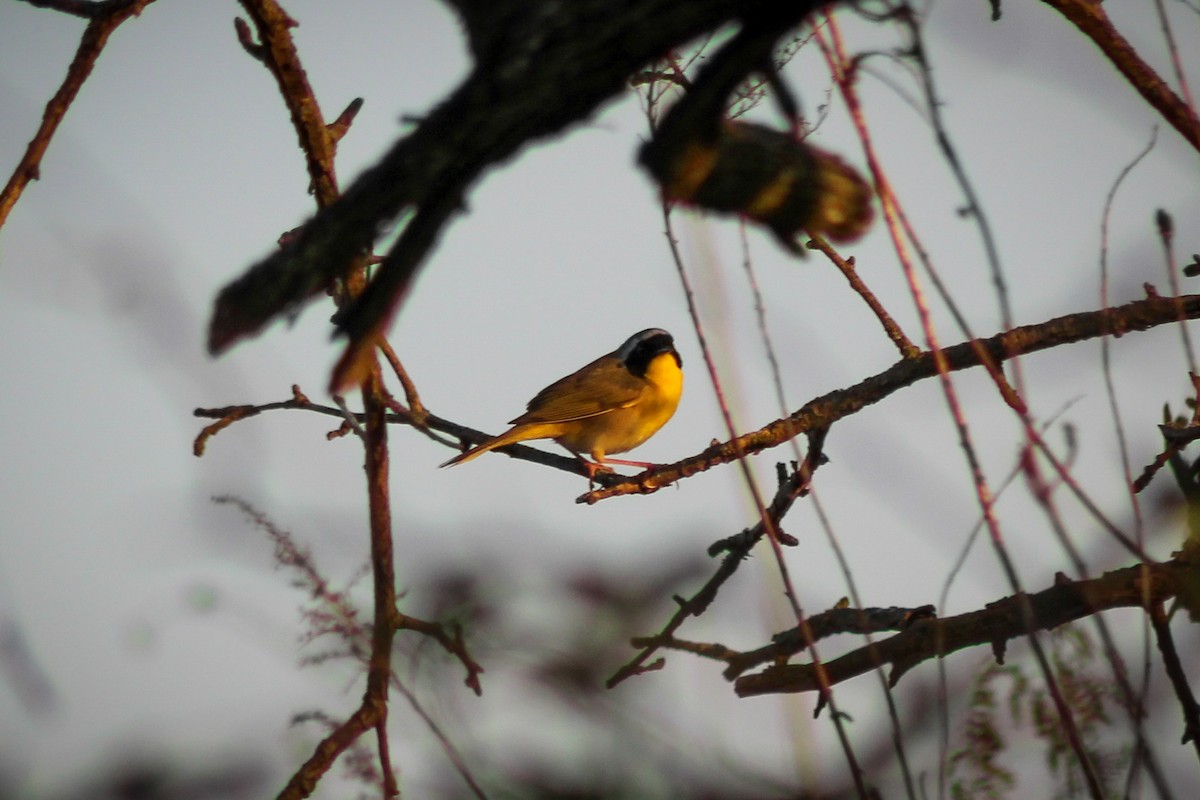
x,y
539,67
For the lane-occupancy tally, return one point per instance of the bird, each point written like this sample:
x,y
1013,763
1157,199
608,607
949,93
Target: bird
x,y
612,405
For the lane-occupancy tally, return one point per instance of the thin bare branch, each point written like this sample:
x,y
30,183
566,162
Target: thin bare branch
x,y
823,411
104,18
736,548
849,270
1179,678
1092,20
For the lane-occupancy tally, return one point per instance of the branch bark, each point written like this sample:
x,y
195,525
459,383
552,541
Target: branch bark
x,y
104,19
823,411
1091,19
1139,586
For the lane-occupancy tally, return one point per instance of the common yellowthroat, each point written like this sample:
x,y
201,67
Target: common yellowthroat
x,y
610,406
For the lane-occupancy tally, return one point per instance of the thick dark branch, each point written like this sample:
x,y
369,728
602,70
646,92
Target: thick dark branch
x,y
823,411
539,68
1066,601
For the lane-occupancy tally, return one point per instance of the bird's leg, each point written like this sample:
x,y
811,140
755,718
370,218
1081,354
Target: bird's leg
x,y
593,468
623,462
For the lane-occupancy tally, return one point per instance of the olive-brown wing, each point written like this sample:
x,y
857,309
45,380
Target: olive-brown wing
x,y
602,386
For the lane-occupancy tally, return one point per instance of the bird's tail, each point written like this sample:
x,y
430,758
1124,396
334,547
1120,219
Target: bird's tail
x,y
510,437
465,456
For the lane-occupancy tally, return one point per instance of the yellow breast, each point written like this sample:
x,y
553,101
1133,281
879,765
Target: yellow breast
x,y
625,428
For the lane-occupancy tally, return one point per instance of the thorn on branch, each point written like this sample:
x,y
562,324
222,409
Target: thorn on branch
x,y
246,39
653,666
822,699
1193,269
338,128
999,648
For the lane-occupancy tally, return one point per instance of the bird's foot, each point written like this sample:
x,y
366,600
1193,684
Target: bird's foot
x,y
593,469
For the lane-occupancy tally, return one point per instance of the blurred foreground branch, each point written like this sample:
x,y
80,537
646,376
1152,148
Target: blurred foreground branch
x,y
538,68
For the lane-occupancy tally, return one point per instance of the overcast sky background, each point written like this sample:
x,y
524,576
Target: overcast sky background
x,y
157,618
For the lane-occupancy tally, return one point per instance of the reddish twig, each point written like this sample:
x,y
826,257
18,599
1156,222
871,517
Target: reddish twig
x,y
1092,20
1173,49
276,50
836,55
849,270
415,406
383,628
318,141
104,19
373,712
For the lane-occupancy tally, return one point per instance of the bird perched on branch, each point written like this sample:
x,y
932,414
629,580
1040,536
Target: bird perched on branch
x,y
611,405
